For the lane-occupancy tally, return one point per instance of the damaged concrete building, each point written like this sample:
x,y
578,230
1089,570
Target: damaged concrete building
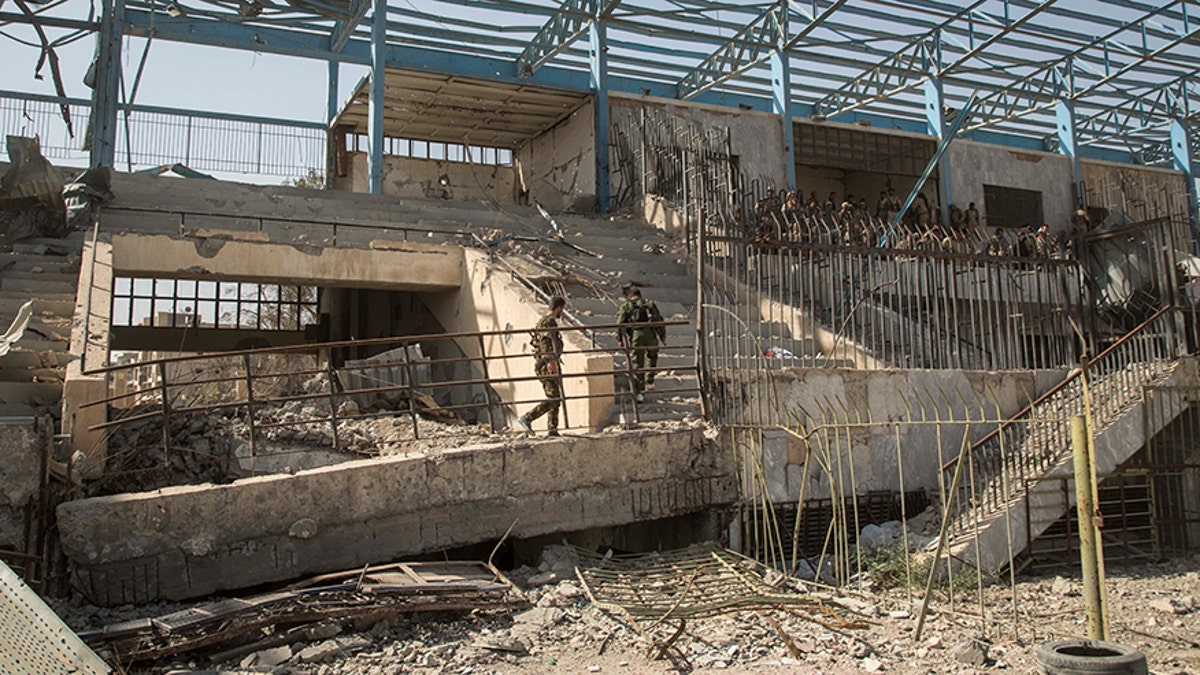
x,y
895,250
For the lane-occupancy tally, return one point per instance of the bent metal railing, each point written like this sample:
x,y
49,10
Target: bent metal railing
x,y
319,393
1038,438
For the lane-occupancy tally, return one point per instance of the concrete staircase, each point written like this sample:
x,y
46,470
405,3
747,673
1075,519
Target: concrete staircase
x,y
1000,511
629,252
46,271
632,252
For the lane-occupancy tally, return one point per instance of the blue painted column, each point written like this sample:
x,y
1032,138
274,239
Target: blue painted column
x,y
935,118
107,86
781,98
1068,144
331,111
1181,150
599,81
375,106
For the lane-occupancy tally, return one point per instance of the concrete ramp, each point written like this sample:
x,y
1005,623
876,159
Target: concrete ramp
x,y
186,542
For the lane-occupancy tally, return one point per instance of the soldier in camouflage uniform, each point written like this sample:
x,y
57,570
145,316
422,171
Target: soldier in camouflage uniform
x,y
547,349
643,341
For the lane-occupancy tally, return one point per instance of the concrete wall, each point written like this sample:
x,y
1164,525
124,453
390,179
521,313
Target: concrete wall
x,y
191,541
391,265
20,478
888,396
431,179
491,300
756,138
973,165
558,168
1141,192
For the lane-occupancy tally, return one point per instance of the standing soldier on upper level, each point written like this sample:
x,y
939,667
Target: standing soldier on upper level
x,y
547,350
643,341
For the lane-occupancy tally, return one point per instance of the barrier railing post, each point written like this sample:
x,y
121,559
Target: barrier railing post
x,y
412,388
250,410
166,415
333,402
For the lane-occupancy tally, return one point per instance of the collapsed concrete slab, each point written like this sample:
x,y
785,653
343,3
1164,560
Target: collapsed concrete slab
x,y
190,541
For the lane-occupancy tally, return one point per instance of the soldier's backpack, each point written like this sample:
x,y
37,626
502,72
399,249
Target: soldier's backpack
x,y
641,312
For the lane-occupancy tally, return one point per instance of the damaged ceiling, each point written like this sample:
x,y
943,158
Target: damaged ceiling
x,y
451,109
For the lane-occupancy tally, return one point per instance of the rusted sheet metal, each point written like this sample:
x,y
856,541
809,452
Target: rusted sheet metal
x,y
373,593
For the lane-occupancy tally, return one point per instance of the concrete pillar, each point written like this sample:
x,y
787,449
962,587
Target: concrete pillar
x,y
375,108
1181,150
935,118
781,100
107,85
599,82
331,111
1067,142
89,349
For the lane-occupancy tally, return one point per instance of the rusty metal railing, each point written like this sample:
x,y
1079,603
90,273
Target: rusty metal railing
x,y
318,393
1038,437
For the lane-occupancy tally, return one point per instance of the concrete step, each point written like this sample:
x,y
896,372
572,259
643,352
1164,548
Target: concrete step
x,y
38,287
34,343
32,393
1123,428
20,358
27,261
55,306
31,375
45,276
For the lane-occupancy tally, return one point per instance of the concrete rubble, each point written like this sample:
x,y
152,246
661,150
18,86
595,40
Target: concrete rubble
x,y
564,631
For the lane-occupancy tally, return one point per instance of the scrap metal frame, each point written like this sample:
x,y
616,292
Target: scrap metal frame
x,y
1130,63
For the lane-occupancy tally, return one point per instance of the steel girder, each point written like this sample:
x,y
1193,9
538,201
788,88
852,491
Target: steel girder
x,y
913,64
1039,90
753,45
566,26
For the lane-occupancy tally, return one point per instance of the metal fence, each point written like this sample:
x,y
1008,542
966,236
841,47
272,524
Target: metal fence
x,y
152,136
218,416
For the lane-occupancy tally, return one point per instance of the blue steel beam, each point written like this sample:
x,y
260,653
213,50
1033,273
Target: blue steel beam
x,y
1037,91
904,70
599,82
1181,151
935,119
573,19
1150,109
943,145
1068,141
753,45
344,29
107,84
376,102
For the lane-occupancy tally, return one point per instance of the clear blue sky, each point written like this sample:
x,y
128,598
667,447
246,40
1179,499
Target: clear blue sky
x,y
191,77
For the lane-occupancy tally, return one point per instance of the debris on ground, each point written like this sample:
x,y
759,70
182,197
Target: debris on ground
x,y
564,631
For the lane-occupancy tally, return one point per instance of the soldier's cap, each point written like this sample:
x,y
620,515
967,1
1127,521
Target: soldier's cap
x,y
633,292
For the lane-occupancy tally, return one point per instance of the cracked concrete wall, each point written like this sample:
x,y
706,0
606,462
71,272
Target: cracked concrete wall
x,y
973,165
882,396
432,179
491,300
1148,192
186,542
756,138
558,168
388,265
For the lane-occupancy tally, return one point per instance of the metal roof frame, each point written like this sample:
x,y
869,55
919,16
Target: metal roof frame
x,y
1119,62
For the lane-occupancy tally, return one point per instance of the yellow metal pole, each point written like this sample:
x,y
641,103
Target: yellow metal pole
x,y
1085,507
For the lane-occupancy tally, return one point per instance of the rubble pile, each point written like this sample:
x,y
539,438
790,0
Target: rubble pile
x,y
1152,607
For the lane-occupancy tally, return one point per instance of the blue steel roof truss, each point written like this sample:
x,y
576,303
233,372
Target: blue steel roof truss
x,y
1127,65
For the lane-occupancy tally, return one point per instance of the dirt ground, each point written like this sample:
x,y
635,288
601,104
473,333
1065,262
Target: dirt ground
x,y
1153,608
